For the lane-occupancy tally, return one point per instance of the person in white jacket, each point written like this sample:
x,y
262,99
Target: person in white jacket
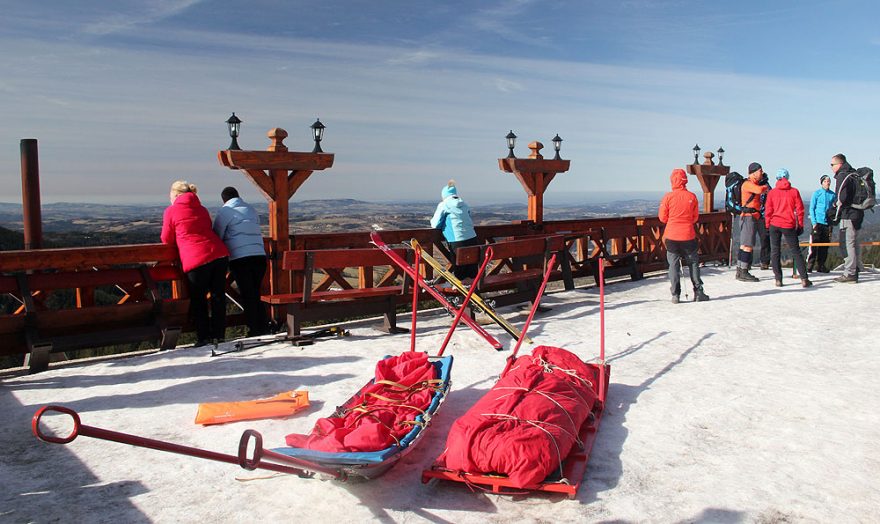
x,y
453,217
238,225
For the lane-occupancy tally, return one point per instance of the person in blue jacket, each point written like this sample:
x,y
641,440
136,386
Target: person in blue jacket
x,y
238,225
822,200
453,217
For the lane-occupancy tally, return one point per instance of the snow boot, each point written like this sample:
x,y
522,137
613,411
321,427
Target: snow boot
x,y
778,282
676,299
743,275
699,296
806,283
765,266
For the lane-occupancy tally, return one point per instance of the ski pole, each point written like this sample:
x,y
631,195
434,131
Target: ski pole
x,y
467,299
123,438
415,301
525,328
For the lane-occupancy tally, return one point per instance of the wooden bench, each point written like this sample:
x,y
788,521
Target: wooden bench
x,y
617,263
334,297
518,266
40,328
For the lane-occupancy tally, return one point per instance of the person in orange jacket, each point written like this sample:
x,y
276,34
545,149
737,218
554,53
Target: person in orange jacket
x,y
679,211
752,191
784,217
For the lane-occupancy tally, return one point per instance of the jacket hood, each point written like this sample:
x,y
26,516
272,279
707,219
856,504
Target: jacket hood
x,y
678,179
448,191
783,183
187,199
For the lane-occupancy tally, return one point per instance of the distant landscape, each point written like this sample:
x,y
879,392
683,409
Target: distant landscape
x,y
77,224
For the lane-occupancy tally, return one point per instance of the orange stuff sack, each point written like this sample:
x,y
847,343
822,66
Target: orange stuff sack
x,y
281,405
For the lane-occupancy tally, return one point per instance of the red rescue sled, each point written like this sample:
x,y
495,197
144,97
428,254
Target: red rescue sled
x,y
565,476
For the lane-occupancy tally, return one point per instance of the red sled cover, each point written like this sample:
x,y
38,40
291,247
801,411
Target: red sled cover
x,y
527,424
380,413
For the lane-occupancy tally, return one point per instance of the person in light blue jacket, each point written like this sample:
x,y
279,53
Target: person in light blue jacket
x,y
820,203
453,217
238,225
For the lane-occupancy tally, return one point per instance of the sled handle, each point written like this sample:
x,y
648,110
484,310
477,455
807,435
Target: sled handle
x,y
133,440
250,464
38,432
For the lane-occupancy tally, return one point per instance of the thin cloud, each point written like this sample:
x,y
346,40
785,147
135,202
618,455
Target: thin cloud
x,y
140,15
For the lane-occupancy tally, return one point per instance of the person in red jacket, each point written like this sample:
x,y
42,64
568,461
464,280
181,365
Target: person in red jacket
x,y
186,224
784,217
679,211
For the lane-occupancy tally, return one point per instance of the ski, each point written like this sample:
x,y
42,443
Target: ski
x,y
305,339
476,299
444,301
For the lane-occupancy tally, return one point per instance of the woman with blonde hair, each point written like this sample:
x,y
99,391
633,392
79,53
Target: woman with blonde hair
x,y
186,224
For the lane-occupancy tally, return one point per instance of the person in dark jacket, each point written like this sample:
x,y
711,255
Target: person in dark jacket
x,y
850,218
186,224
784,217
763,232
238,225
679,211
821,201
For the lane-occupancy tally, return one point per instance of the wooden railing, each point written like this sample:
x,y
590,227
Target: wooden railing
x,y
148,295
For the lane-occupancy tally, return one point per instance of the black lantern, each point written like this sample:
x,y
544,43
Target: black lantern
x,y
557,145
318,132
696,154
720,156
234,124
511,143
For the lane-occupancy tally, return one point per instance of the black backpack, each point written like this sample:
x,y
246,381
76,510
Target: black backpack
x,y
864,196
733,182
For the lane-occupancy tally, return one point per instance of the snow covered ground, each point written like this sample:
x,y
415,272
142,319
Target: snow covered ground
x,y
759,406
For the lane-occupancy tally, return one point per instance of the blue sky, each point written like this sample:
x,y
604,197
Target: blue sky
x,y
128,97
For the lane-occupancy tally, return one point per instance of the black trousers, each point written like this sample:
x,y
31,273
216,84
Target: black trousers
x,y
764,235
791,240
248,273
686,253
818,254
210,277
467,270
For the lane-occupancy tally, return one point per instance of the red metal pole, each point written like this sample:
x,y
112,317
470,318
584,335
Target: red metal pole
x,y
602,330
134,440
415,301
525,328
467,300
30,194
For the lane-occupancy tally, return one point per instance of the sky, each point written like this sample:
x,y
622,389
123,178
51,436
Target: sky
x,y
127,97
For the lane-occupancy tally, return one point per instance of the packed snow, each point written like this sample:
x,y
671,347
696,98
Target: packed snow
x,y
758,406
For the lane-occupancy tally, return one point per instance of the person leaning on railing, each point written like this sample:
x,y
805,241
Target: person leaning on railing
x,y
186,224
238,225
453,217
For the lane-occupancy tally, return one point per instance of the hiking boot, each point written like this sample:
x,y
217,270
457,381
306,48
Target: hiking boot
x,y
699,296
823,269
765,267
849,279
811,267
743,275
779,282
676,299
806,283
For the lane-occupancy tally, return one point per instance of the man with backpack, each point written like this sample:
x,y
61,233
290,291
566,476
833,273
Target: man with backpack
x,y
850,217
763,231
752,192
821,201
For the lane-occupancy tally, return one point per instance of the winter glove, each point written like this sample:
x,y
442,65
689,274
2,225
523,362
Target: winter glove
x,y
800,230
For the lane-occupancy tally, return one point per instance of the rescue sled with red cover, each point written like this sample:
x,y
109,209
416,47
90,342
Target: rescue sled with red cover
x,y
364,437
535,429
